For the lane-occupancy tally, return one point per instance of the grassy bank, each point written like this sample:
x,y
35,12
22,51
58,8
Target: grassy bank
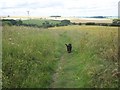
x,y
34,57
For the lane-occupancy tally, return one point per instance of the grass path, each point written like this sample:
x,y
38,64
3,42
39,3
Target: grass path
x,y
84,67
69,72
62,60
58,70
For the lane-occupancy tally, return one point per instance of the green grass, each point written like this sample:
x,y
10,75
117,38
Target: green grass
x,y
40,22
34,57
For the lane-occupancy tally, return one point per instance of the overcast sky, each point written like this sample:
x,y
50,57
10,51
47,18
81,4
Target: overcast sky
x,y
59,7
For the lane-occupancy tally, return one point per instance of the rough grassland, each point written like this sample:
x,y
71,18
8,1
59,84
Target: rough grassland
x,y
34,57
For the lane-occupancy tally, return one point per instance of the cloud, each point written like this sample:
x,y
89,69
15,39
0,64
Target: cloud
x,y
60,7
30,4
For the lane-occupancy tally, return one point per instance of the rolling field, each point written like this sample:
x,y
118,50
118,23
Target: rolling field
x,y
40,22
35,57
72,19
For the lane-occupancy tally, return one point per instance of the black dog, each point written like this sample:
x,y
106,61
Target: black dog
x,y
69,48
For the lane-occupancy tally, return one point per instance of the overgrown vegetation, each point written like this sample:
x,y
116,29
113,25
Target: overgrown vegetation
x,y
28,57
31,57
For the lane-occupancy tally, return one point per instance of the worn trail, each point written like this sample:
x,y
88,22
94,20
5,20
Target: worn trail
x,y
58,71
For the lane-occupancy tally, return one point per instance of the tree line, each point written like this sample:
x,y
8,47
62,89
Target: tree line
x,y
47,24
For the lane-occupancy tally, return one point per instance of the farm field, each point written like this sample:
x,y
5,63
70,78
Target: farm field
x,y
72,19
40,22
37,57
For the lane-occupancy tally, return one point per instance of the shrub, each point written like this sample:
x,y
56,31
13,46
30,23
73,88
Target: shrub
x,y
11,22
6,23
104,24
19,22
79,23
65,22
90,23
116,22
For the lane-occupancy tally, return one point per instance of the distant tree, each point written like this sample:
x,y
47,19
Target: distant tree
x,y
79,23
55,16
14,22
6,23
116,22
19,22
74,23
90,23
46,24
65,22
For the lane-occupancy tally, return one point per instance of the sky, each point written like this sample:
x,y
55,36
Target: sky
x,y
59,7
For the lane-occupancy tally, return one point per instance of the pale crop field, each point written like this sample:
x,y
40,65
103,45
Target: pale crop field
x,y
35,57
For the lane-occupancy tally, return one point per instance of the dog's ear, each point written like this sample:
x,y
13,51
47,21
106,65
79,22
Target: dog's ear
x,y
69,44
66,44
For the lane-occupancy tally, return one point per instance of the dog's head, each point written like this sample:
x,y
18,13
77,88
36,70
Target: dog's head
x,y
70,44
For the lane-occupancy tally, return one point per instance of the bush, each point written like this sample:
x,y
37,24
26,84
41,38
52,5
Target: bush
x,y
116,22
46,24
19,22
90,23
104,24
65,22
79,23
6,23
11,22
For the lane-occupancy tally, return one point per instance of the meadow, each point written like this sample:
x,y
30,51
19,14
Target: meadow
x,y
37,57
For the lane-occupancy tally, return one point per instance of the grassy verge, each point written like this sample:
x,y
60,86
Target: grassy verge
x,y
32,55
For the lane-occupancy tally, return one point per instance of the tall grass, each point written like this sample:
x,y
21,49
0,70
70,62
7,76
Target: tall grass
x,y
0,55
31,57
28,57
94,60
